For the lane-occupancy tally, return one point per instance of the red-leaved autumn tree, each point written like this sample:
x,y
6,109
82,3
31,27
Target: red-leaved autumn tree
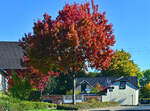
x,y
78,38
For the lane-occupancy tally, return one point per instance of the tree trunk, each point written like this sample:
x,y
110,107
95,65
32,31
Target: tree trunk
x,y
41,96
74,89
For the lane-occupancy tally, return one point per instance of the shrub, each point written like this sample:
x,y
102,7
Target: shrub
x,y
26,105
86,105
35,96
20,87
3,106
70,92
52,105
13,104
42,105
15,107
13,100
92,100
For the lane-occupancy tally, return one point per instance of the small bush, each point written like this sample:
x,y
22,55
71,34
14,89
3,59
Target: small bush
x,y
41,105
26,105
3,106
13,104
35,96
13,100
92,100
52,105
15,107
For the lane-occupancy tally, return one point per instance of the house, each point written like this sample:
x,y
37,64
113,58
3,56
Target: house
x,y
124,90
11,58
3,80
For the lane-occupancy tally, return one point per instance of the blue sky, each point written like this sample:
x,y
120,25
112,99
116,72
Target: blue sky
x,y
130,19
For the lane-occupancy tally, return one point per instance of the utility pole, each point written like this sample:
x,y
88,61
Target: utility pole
x,y
74,89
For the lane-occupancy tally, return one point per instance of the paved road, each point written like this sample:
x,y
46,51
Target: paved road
x,y
125,108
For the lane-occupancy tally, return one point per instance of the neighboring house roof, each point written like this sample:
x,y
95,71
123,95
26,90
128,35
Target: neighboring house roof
x,y
105,81
11,55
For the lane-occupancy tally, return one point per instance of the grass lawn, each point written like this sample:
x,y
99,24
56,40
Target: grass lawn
x,y
47,110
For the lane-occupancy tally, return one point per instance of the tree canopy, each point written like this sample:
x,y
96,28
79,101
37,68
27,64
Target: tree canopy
x,y
77,36
145,91
122,65
146,78
19,87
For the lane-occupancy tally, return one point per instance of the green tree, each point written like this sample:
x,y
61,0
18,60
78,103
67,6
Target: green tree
x,y
145,91
59,85
93,74
55,85
20,87
122,65
146,78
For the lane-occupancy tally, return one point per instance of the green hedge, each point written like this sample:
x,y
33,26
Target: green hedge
x,y
67,107
13,104
3,106
86,105
24,105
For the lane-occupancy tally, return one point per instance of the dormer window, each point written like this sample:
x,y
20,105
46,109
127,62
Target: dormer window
x,y
122,85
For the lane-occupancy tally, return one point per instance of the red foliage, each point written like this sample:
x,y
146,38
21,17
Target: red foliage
x,y
25,58
9,78
37,79
74,38
100,87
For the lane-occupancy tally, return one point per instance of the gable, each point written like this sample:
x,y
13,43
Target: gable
x,y
132,80
107,81
84,82
128,85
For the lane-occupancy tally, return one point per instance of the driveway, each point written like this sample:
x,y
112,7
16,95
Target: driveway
x,y
125,108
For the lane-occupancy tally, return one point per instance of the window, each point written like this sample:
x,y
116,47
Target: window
x,y
3,82
122,85
83,87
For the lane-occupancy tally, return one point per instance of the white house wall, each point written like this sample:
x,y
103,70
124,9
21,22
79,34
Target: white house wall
x,y
137,97
3,85
127,96
1,82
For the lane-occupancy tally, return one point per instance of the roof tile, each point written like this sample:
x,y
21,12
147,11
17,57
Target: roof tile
x,y
11,55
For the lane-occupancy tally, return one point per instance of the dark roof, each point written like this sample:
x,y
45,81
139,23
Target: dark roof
x,y
11,55
93,81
